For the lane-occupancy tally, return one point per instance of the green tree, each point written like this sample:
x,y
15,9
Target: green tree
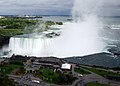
x,y
5,81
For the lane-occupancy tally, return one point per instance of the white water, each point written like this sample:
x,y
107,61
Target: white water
x,y
78,38
30,46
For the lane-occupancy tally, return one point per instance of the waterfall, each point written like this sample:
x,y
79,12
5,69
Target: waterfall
x,y
30,46
78,38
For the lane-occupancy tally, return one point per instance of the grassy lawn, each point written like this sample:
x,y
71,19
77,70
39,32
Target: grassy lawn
x,y
95,84
49,76
7,69
81,71
102,72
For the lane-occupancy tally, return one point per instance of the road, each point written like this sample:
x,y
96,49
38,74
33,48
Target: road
x,y
94,77
27,80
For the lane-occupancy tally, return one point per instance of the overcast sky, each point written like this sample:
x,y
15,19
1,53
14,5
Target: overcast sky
x,y
47,7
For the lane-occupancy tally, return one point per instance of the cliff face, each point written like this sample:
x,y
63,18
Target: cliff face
x,y
4,40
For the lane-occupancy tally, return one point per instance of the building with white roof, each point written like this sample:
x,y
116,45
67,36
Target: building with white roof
x,y
66,66
2,17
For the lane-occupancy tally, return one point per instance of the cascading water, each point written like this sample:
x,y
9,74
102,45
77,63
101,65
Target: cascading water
x,y
79,37
31,46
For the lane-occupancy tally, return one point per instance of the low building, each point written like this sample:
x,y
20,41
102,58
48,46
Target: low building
x,y
18,58
2,17
50,60
54,63
2,61
30,67
66,68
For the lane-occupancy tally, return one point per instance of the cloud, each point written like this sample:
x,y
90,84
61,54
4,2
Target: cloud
x,y
35,5
46,7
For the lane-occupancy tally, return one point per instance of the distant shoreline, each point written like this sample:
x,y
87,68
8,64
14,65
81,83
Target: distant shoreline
x,y
58,15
